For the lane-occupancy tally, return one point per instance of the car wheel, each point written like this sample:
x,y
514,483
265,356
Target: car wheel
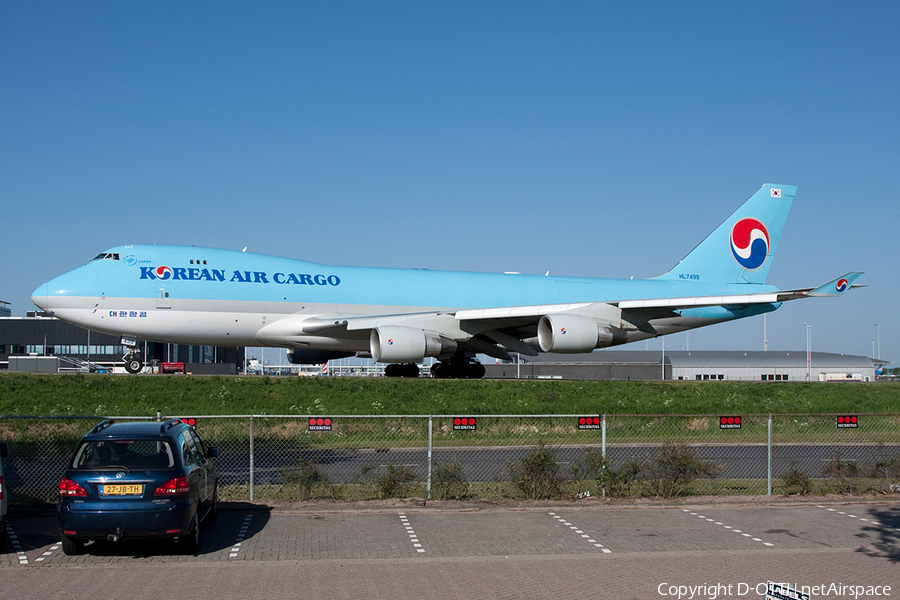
x,y
72,547
214,511
3,535
191,542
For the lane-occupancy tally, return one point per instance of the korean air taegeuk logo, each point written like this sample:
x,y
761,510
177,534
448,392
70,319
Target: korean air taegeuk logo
x,y
749,243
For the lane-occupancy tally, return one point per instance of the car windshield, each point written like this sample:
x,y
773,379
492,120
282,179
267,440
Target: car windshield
x,y
127,454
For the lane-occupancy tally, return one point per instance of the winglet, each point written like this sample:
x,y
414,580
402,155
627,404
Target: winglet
x,y
837,286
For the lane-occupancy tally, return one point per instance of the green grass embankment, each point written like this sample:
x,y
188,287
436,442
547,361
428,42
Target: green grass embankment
x,y
182,395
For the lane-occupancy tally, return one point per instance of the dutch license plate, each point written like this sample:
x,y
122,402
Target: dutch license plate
x,y
119,489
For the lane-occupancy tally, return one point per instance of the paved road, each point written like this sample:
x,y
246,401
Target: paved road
x,y
486,464
426,552
38,476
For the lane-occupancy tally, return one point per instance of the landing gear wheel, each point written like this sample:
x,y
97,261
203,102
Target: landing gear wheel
x,y
404,370
72,547
440,370
457,369
133,364
475,371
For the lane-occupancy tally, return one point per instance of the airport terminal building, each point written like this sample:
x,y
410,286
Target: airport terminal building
x,y
81,350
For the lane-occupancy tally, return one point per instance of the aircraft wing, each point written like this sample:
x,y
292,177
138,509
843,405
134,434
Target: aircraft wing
x,y
835,287
497,331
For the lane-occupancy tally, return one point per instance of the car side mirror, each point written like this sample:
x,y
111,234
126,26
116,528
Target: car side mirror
x,y
4,451
212,452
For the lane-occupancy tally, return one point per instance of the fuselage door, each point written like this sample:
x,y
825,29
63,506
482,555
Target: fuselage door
x,y
162,297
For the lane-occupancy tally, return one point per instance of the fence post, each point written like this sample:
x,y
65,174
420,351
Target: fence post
x,y
251,457
603,436
428,484
769,467
603,448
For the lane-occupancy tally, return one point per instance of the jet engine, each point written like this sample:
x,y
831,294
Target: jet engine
x,y
564,333
394,344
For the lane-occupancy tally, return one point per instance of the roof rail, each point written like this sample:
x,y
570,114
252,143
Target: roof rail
x,y
169,425
102,425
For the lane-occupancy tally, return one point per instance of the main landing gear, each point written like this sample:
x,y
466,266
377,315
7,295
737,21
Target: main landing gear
x,y
404,370
455,368
458,368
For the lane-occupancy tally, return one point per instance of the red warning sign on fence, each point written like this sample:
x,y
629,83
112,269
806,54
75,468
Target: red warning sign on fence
x,y
588,422
732,422
844,421
464,424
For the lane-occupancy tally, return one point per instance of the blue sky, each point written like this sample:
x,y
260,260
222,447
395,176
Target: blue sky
x,y
580,138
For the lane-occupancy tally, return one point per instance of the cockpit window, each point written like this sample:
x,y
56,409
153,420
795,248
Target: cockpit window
x,y
107,256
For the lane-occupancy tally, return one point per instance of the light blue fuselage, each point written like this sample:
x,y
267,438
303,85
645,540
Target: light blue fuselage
x,y
203,295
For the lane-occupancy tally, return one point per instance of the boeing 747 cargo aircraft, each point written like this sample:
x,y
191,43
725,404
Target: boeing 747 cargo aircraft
x,y
188,295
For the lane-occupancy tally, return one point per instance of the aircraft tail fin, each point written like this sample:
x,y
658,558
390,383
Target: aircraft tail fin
x,y
740,250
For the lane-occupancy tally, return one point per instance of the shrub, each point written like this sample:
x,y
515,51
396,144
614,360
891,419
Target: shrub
x,y
886,468
396,481
448,480
537,475
305,476
616,483
590,466
675,466
843,473
613,482
796,481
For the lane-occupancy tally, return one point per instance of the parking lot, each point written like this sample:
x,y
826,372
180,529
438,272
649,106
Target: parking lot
x,y
812,541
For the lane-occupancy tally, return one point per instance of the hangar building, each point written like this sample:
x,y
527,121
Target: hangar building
x,y
645,365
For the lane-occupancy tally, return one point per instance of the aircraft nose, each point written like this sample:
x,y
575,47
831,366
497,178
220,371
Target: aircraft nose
x,y
41,296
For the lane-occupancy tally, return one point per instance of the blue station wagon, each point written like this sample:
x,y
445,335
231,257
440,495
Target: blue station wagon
x,y
137,480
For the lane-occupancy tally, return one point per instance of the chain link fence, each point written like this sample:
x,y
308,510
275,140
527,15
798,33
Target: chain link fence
x,y
555,456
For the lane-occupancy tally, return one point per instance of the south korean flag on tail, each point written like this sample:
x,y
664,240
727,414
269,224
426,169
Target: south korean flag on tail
x,y
776,192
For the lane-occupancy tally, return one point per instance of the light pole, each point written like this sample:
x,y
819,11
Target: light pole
x,y
808,351
878,332
663,359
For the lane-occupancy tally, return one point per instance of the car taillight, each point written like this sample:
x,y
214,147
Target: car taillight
x,y
174,487
1,487
67,487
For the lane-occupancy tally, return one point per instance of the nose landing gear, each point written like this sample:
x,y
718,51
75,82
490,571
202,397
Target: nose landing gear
x,y
134,363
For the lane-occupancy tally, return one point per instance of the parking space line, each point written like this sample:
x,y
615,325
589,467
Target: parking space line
x,y
49,552
413,538
728,527
583,535
236,548
840,512
17,545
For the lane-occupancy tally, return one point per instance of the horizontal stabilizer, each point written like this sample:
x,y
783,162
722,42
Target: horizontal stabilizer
x,y
835,287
